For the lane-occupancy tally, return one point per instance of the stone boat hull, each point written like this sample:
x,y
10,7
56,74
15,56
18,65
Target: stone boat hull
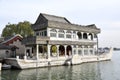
x,y
71,60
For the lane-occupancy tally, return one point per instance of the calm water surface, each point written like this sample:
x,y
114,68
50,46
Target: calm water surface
x,y
106,70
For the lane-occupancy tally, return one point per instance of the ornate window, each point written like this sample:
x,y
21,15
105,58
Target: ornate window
x,y
90,36
91,52
45,33
68,34
53,33
40,34
85,52
74,34
79,35
74,51
85,36
79,52
37,33
61,34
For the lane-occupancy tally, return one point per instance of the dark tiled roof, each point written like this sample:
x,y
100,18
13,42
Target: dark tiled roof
x,y
10,39
46,20
5,47
2,46
89,28
55,18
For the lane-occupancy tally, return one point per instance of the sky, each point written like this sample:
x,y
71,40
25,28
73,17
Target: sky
x,y
105,14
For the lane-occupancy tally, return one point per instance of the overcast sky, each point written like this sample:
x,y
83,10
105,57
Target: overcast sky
x,y
104,13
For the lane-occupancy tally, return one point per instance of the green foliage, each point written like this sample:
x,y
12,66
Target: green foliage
x,y
22,28
54,49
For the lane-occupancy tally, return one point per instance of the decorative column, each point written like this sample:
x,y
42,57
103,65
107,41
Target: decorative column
x,y
48,50
82,34
87,36
57,33
77,49
72,50
65,34
82,50
72,35
89,50
93,50
48,32
25,57
65,46
76,34
57,51
37,51
93,36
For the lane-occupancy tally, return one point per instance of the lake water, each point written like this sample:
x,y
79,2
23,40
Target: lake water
x,y
106,70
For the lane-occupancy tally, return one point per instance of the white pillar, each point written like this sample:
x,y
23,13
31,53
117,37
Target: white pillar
x,y
57,33
25,57
48,32
87,35
93,50
25,52
72,50
82,50
65,46
17,57
93,35
65,34
72,35
89,50
77,49
76,35
37,51
82,34
58,51
48,50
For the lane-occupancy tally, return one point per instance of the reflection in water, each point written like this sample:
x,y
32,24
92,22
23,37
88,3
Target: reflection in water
x,y
106,70
78,72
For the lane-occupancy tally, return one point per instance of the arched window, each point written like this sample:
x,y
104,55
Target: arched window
x,y
85,36
69,50
61,50
53,33
79,35
90,36
53,50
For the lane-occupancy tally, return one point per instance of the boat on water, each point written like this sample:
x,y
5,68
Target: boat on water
x,y
70,60
57,41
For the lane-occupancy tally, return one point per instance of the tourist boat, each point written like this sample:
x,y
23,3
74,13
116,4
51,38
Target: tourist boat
x,y
57,41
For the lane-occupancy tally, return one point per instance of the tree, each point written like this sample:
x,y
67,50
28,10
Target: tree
x,y
22,28
54,49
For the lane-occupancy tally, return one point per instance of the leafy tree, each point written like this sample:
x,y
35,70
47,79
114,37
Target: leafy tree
x,y
54,49
22,28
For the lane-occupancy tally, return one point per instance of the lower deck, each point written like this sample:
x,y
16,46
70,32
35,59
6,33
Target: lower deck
x,y
70,60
